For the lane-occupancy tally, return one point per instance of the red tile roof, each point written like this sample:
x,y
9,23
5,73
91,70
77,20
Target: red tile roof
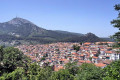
x,y
100,65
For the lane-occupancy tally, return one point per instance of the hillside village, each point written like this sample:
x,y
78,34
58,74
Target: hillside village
x,y
58,54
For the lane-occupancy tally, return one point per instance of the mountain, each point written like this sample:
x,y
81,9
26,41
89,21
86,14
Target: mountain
x,y
66,32
89,37
20,27
108,39
23,30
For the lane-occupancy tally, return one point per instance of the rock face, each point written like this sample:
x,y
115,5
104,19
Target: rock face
x,y
19,21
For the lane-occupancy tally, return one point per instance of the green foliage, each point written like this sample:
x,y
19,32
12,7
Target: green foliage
x,y
116,45
116,23
98,53
62,75
33,71
1,54
81,43
36,73
42,59
89,72
3,77
90,58
75,47
17,74
45,73
12,58
72,68
112,71
117,7
88,38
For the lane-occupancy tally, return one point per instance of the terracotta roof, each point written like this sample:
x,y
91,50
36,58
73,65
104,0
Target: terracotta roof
x,y
81,55
87,43
94,57
63,59
81,61
110,42
108,52
88,61
100,65
57,68
74,53
107,61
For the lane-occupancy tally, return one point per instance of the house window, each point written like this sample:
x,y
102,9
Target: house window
x,y
107,57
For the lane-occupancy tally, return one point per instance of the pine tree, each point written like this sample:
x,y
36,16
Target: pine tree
x,y
116,23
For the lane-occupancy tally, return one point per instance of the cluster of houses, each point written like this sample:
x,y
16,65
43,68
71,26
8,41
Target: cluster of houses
x,y
61,53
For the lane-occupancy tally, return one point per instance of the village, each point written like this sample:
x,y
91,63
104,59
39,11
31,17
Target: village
x,y
58,54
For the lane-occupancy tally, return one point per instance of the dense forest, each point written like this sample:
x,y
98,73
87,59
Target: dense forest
x,y
14,65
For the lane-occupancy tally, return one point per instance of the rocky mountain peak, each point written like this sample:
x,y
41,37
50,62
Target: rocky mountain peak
x,y
18,21
90,34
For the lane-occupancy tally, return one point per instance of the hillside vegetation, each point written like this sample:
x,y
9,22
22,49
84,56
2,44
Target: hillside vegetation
x,y
24,31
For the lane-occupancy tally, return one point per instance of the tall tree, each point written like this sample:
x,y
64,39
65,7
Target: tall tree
x,y
76,47
13,58
116,23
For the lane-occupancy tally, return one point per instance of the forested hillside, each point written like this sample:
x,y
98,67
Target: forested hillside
x,y
24,31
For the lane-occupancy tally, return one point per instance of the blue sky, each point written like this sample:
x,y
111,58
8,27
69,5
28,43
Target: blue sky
x,y
81,16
